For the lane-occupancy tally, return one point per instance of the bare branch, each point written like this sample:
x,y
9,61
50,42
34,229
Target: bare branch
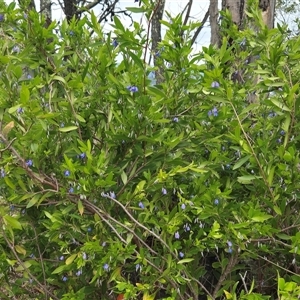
x,y
200,27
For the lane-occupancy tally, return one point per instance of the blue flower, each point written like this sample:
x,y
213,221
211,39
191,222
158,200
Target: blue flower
x,y
115,43
2,173
164,191
62,258
89,229
229,244
132,89
29,163
67,173
106,267
64,278
16,49
71,33
20,110
84,256
82,155
177,235
71,190
175,119
31,255
213,112
183,206
186,227
141,205
25,16
282,132
138,267
229,250
62,125
78,273
215,84
272,114
112,195
29,77
216,201
181,255
1,17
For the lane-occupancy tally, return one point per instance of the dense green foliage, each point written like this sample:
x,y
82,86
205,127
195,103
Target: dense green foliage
x,y
112,185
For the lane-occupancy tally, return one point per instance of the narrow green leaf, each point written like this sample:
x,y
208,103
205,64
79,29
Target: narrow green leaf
x,y
67,129
124,177
59,269
118,24
136,9
24,94
261,218
14,223
70,259
184,261
136,59
247,179
80,207
33,201
279,104
80,118
240,162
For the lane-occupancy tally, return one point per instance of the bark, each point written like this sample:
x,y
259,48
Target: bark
x,y
156,35
268,11
70,8
237,10
213,18
46,11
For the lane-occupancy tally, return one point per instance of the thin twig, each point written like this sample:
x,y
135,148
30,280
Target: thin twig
x,y
11,246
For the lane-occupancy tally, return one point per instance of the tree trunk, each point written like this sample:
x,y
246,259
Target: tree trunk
x,y
213,18
156,35
45,6
268,11
237,10
70,8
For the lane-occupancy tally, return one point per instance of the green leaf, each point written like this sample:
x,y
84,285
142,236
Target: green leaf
x,y
20,249
33,201
80,118
13,222
124,178
67,129
71,258
136,9
261,218
136,59
279,104
80,207
59,78
156,92
185,260
240,162
118,24
24,94
59,269
247,179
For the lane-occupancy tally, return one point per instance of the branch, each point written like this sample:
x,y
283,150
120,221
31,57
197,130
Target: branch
x,y
11,246
200,27
189,7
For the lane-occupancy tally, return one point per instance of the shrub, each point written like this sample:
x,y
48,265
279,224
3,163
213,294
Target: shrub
x,y
112,186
